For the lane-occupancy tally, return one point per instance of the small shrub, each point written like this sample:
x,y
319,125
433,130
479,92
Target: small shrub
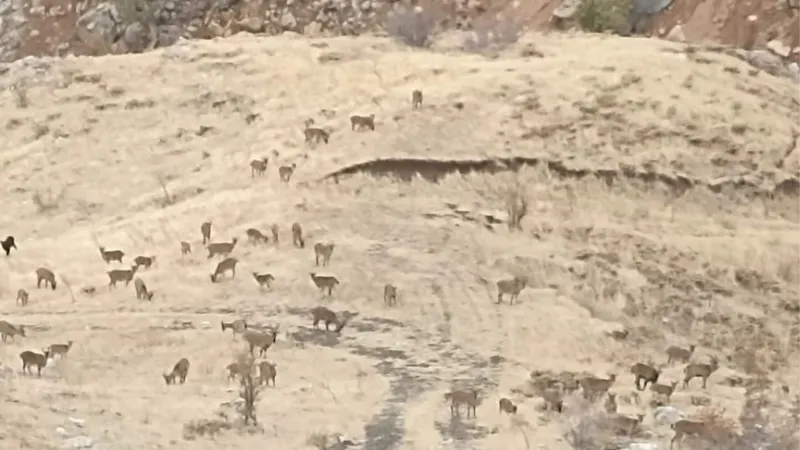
x,y
249,388
47,201
496,32
599,16
413,26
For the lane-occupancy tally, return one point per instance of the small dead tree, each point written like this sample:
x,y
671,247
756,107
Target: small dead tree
x,y
414,26
46,201
516,206
249,388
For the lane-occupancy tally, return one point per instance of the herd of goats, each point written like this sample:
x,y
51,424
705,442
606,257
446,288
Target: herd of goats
x,y
593,388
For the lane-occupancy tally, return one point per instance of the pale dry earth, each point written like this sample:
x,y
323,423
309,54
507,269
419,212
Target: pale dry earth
x,y
105,131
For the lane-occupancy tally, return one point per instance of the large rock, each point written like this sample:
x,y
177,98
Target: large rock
x,y
100,27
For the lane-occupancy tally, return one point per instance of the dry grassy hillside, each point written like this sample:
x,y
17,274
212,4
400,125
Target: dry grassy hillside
x,y
662,193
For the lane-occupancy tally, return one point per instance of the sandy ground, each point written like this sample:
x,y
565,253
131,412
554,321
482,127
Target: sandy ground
x,y
107,137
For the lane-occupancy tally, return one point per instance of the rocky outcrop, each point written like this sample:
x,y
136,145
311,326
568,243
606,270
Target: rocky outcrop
x,y
94,27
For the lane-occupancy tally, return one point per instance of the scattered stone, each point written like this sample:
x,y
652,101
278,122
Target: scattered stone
x,y
78,442
778,47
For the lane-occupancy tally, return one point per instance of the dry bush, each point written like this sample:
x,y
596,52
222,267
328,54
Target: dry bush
x,y
204,427
588,430
318,440
722,432
496,32
600,16
414,26
20,95
249,388
47,202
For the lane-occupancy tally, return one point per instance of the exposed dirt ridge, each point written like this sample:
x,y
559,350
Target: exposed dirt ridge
x,y
752,185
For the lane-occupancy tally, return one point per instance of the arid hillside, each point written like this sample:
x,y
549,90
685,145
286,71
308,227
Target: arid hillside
x,y
657,187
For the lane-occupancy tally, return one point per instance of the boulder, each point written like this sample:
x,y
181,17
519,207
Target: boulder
x,y
100,27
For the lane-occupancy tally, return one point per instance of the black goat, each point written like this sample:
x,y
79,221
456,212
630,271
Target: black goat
x,y
8,244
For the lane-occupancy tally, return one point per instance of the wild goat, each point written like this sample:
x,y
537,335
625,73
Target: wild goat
x,y
205,230
416,99
297,236
467,397
30,359
255,236
181,369
362,122
186,248
267,371
698,370
117,275
323,314
645,372
22,297
141,290
324,282
664,389
512,287
679,354
553,399
323,251
389,295
507,406
227,264
221,248
144,261
274,230
8,330
235,369
316,135
686,427
258,167
8,243
238,326
264,279
47,276
594,387
286,172
111,255
59,349
262,341
627,425
610,405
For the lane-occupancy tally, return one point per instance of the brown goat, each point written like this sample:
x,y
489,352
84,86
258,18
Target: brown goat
x,y
181,369
362,122
389,295
610,405
513,287
594,387
645,372
8,330
699,370
264,279
297,236
324,282
30,359
144,261
186,248
238,326
507,406
679,354
416,99
274,230
22,297
142,293
686,427
467,397
664,389
323,251
258,167
255,236
262,341
626,425
323,314
285,172
553,399
205,230
111,255
267,371
59,349
221,248
117,275
47,276
227,264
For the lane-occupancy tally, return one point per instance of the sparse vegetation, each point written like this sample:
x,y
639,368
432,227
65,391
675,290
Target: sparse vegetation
x,y
599,16
249,388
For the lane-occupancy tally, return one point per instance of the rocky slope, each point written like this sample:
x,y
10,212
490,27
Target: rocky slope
x,y
80,27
